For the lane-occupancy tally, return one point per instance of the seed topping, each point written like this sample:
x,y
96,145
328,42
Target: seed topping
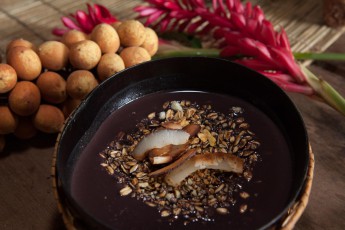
x,y
188,161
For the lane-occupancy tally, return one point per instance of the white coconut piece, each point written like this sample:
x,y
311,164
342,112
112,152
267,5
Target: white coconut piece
x,y
220,161
159,139
176,106
161,159
169,152
187,155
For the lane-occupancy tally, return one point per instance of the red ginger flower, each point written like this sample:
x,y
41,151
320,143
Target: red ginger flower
x,y
86,21
240,29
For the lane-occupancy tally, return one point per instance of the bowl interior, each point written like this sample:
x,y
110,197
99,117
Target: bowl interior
x,y
143,89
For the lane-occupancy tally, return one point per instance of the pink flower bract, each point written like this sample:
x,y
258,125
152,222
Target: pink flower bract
x,y
240,29
84,21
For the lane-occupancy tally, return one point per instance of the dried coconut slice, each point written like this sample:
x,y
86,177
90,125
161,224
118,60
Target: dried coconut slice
x,y
159,139
221,161
161,159
185,157
171,125
166,153
192,129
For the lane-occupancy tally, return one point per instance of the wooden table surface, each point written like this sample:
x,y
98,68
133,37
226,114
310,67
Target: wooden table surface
x,y
26,196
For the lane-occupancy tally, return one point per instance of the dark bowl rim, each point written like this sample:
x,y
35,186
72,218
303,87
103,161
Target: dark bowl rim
x,y
98,89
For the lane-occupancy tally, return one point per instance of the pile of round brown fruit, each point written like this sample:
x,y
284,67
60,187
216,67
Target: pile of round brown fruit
x,y
40,86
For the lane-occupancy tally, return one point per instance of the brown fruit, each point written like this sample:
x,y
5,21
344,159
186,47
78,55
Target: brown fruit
x,y
109,64
116,24
134,55
80,83
85,54
48,119
8,121
52,87
25,61
20,42
53,55
25,98
69,106
151,41
8,78
131,33
106,37
73,36
25,129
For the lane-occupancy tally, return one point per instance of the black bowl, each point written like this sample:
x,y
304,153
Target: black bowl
x,y
125,98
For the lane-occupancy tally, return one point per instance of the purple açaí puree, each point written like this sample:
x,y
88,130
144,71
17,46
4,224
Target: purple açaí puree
x,y
98,193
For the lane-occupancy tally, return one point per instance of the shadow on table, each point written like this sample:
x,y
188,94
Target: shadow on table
x,y
17,146
57,222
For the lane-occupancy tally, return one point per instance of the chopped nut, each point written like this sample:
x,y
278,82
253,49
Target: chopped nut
x,y
165,213
202,137
176,106
222,211
125,191
143,184
150,204
151,115
209,137
243,208
244,195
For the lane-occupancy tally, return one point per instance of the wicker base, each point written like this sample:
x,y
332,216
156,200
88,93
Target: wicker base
x,y
67,217
296,211
287,223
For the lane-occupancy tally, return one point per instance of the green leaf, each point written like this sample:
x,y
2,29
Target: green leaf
x,y
326,91
320,56
183,38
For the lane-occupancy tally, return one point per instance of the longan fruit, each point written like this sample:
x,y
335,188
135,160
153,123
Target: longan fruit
x,y
116,24
134,55
25,128
73,36
151,41
48,119
52,87
106,37
2,143
25,98
53,55
131,33
85,54
109,64
80,83
70,105
20,42
25,61
8,78
8,121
